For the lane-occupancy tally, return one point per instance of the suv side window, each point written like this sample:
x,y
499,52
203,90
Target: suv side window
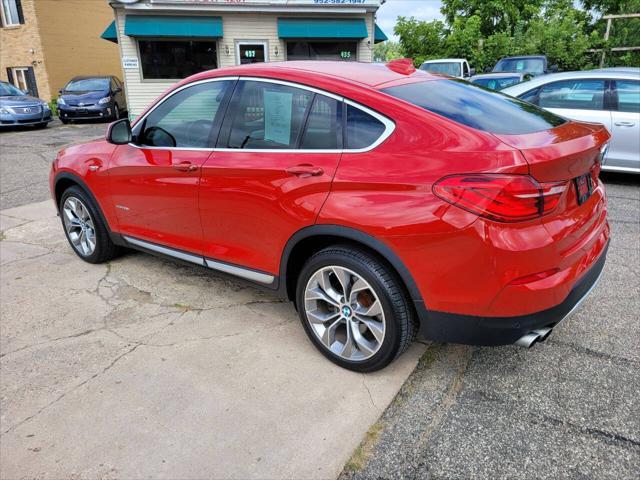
x,y
266,115
362,129
185,119
581,94
628,92
324,125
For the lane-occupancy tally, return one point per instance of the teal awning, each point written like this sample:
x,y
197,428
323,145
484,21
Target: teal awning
x,y
322,28
380,36
110,33
172,26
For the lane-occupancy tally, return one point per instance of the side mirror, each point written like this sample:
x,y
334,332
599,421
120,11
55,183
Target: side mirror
x,y
472,72
119,133
487,70
553,68
60,91
26,92
117,90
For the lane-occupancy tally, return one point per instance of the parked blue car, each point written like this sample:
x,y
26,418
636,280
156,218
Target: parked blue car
x,y
91,98
17,108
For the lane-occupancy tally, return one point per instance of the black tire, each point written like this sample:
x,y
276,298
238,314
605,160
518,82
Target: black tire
x,y
105,249
401,326
116,112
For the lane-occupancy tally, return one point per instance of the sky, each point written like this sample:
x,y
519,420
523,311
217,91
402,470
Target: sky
x,y
421,9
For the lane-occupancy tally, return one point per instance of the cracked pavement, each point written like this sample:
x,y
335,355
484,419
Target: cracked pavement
x,y
147,368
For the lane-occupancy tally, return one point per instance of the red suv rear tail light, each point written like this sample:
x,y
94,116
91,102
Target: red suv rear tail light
x,y
503,198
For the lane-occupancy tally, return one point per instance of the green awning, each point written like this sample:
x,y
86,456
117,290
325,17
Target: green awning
x,y
322,28
110,33
380,36
172,26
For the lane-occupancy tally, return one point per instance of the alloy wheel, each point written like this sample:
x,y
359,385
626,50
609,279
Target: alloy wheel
x,y
79,225
344,313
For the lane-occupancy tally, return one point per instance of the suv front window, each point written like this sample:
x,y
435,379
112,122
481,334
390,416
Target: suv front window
x,y
186,119
8,90
531,65
88,85
446,68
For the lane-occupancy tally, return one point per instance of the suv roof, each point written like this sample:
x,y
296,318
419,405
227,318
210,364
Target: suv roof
x,y
369,74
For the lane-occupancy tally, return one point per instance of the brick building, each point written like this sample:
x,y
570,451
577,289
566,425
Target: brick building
x,y
44,43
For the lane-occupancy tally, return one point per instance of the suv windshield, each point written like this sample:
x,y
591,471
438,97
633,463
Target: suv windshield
x,y
447,68
87,85
532,65
496,83
476,107
8,90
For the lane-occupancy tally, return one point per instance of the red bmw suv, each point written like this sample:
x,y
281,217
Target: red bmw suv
x,y
383,201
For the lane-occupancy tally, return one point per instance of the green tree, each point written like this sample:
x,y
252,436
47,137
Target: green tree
x,y
420,40
385,51
495,15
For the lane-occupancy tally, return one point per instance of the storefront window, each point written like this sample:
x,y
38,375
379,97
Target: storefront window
x,y
176,59
345,51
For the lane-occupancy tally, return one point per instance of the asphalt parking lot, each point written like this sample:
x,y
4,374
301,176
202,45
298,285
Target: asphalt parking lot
x,y
145,368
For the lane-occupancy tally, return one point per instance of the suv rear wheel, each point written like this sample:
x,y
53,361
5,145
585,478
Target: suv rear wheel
x,y
354,309
87,234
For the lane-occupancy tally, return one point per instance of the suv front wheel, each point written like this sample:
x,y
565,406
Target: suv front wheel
x,y
354,309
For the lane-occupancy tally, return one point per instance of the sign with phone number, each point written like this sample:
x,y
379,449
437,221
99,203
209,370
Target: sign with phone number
x,y
265,2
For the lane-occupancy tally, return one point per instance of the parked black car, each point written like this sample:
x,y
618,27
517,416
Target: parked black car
x,y
17,108
87,98
533,64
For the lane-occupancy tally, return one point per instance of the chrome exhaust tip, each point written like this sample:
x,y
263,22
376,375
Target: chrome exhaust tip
x,y
543,332
528,340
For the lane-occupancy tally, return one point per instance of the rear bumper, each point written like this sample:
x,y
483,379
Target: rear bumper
x,y
491,331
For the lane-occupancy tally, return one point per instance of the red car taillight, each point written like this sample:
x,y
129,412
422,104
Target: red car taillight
x,y
503,198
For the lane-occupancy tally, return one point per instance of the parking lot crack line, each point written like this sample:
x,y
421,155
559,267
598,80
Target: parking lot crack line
x,y
593,353
448,401
366,387
71,390
52,340
591,431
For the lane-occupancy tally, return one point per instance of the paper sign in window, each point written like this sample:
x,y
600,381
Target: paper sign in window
x,y
277,116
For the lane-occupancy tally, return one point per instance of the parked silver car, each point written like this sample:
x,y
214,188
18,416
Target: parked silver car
x,y
608,96
17,108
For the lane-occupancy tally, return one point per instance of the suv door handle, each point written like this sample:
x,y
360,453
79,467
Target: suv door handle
x,y
185,167
625,124
305,170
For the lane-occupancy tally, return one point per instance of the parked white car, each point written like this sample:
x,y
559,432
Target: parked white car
x,y
608,96
454,67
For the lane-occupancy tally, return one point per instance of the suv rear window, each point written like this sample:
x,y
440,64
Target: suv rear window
x,y
476,107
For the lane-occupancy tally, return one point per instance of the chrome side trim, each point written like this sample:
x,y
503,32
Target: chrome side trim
x,y
198,260
240,272
294,85
252,275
